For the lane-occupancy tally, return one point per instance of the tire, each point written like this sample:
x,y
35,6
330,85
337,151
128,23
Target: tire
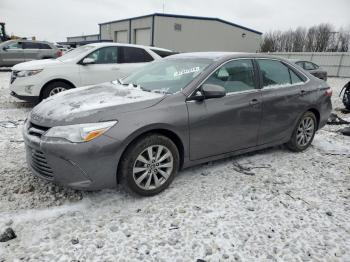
x,y
54,88
138,174
303,133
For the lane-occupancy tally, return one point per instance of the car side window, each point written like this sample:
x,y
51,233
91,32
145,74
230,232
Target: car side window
x,y
295,79
44,46
134,55
301,64
234,76
30,45
105,55
309,66
274,73
15,45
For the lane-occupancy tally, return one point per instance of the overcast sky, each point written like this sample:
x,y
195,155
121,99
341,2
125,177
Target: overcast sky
x,y
55,20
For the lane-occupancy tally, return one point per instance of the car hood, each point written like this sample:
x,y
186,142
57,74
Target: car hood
x,y
36,64
91,104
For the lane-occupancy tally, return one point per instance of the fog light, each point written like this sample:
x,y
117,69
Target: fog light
x,y
28,89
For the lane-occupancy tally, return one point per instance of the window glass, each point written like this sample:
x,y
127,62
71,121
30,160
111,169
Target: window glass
x,y
294,77
44,46
80,51
105,55
31,45
301,64
134,55
309,66
274,73
234,76
163,53
15,45
168,75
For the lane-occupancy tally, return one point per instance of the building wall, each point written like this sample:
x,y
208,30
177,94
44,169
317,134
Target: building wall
x,y
83,38
108,30
203,35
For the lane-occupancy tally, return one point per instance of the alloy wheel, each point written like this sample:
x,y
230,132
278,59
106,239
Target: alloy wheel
x,y
305,131
153,167
57,90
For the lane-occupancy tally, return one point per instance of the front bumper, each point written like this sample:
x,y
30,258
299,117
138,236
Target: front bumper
x,y
31,99
91,165
26,86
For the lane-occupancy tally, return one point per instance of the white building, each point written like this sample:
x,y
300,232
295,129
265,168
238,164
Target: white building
x,y
182,33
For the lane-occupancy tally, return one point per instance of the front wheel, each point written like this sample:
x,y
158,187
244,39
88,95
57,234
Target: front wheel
x,y
55,88
303,133
149,165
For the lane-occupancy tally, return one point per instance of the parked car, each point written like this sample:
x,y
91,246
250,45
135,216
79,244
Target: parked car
x,y
176,112
312,68
85,65
13,52
63,48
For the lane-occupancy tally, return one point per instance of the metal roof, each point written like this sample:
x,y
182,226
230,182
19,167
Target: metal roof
x,y
186,17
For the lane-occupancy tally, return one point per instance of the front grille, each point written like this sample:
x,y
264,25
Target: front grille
x,y
40,165
36,130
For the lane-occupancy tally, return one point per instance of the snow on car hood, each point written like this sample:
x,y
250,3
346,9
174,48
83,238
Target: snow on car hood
x,y
36,64
88,104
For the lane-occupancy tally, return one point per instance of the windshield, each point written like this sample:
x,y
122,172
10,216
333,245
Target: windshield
x,y
168,75
76,52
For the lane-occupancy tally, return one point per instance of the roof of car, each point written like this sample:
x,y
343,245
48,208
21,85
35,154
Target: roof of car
x,y
221,55
103,44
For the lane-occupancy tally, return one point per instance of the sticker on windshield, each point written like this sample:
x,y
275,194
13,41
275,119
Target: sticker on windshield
x,y
186,71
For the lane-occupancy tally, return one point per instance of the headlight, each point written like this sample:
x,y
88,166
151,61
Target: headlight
x,y
81,132
25,73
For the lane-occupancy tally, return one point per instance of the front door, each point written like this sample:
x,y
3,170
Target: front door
x,y
12,54
104,69
222,125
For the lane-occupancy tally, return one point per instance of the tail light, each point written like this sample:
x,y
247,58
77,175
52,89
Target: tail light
x,y
59,53
328,92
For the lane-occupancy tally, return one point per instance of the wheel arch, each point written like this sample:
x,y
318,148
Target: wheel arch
x,y
55,80
173,136
316,112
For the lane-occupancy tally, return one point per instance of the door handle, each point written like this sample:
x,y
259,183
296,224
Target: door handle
x,y
254,102
302,92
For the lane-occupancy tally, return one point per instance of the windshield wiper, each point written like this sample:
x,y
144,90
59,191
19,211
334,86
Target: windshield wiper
x,y
133,85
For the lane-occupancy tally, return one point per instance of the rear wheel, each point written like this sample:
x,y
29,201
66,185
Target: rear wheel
x,y
149,165
303,133
55,88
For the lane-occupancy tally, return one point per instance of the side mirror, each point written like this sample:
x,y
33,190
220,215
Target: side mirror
x,y
208,91
88,61
213,91
5,48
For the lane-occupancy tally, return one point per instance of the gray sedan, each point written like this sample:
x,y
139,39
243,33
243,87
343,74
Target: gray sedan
x,y
174,113
312,68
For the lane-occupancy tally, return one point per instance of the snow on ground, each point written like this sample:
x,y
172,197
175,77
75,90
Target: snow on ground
x,y
285,206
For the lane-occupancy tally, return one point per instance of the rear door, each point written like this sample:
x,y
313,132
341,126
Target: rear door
x,y
104,69
223,125
281,99
31,51
130,59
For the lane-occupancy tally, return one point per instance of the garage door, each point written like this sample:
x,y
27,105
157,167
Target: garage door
x,y
121,36
143,36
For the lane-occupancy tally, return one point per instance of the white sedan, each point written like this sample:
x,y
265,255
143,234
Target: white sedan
x,y
86,65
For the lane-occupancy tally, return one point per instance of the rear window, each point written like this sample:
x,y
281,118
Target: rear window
x,y
163,53
44,46
134,55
